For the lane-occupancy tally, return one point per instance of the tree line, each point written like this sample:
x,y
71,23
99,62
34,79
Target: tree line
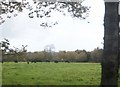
x,y
61,56
68,56
21,55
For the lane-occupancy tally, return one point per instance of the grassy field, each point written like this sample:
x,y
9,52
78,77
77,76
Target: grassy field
x,y
51,73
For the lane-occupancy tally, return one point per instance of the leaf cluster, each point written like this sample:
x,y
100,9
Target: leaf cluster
x,y
42,9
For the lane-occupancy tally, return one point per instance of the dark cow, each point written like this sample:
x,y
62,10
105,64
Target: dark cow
x,y
67,61
56,61
16,61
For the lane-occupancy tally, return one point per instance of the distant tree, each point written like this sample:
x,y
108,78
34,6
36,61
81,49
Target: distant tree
x,y
41,56
56,57
36,56
96,55
71,56
87,55
62,55
78,51
82,57
49,51
24,53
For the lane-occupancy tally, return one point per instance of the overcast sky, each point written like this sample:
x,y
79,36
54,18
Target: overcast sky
x,y
69,34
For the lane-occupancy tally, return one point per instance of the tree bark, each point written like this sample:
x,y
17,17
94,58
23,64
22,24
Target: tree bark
x,y
110,63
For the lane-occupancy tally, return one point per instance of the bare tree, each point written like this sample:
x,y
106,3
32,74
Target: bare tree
x,y
49,50
24,51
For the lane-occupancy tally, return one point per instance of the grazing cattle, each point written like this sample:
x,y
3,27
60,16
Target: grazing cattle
x,y
39,61
67,61
56,61
16,61
33,61
27,62
47,61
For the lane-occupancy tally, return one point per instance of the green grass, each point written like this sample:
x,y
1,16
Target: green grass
x,y
51,73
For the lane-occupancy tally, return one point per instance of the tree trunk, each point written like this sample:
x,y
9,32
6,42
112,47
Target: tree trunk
x,y
110,59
